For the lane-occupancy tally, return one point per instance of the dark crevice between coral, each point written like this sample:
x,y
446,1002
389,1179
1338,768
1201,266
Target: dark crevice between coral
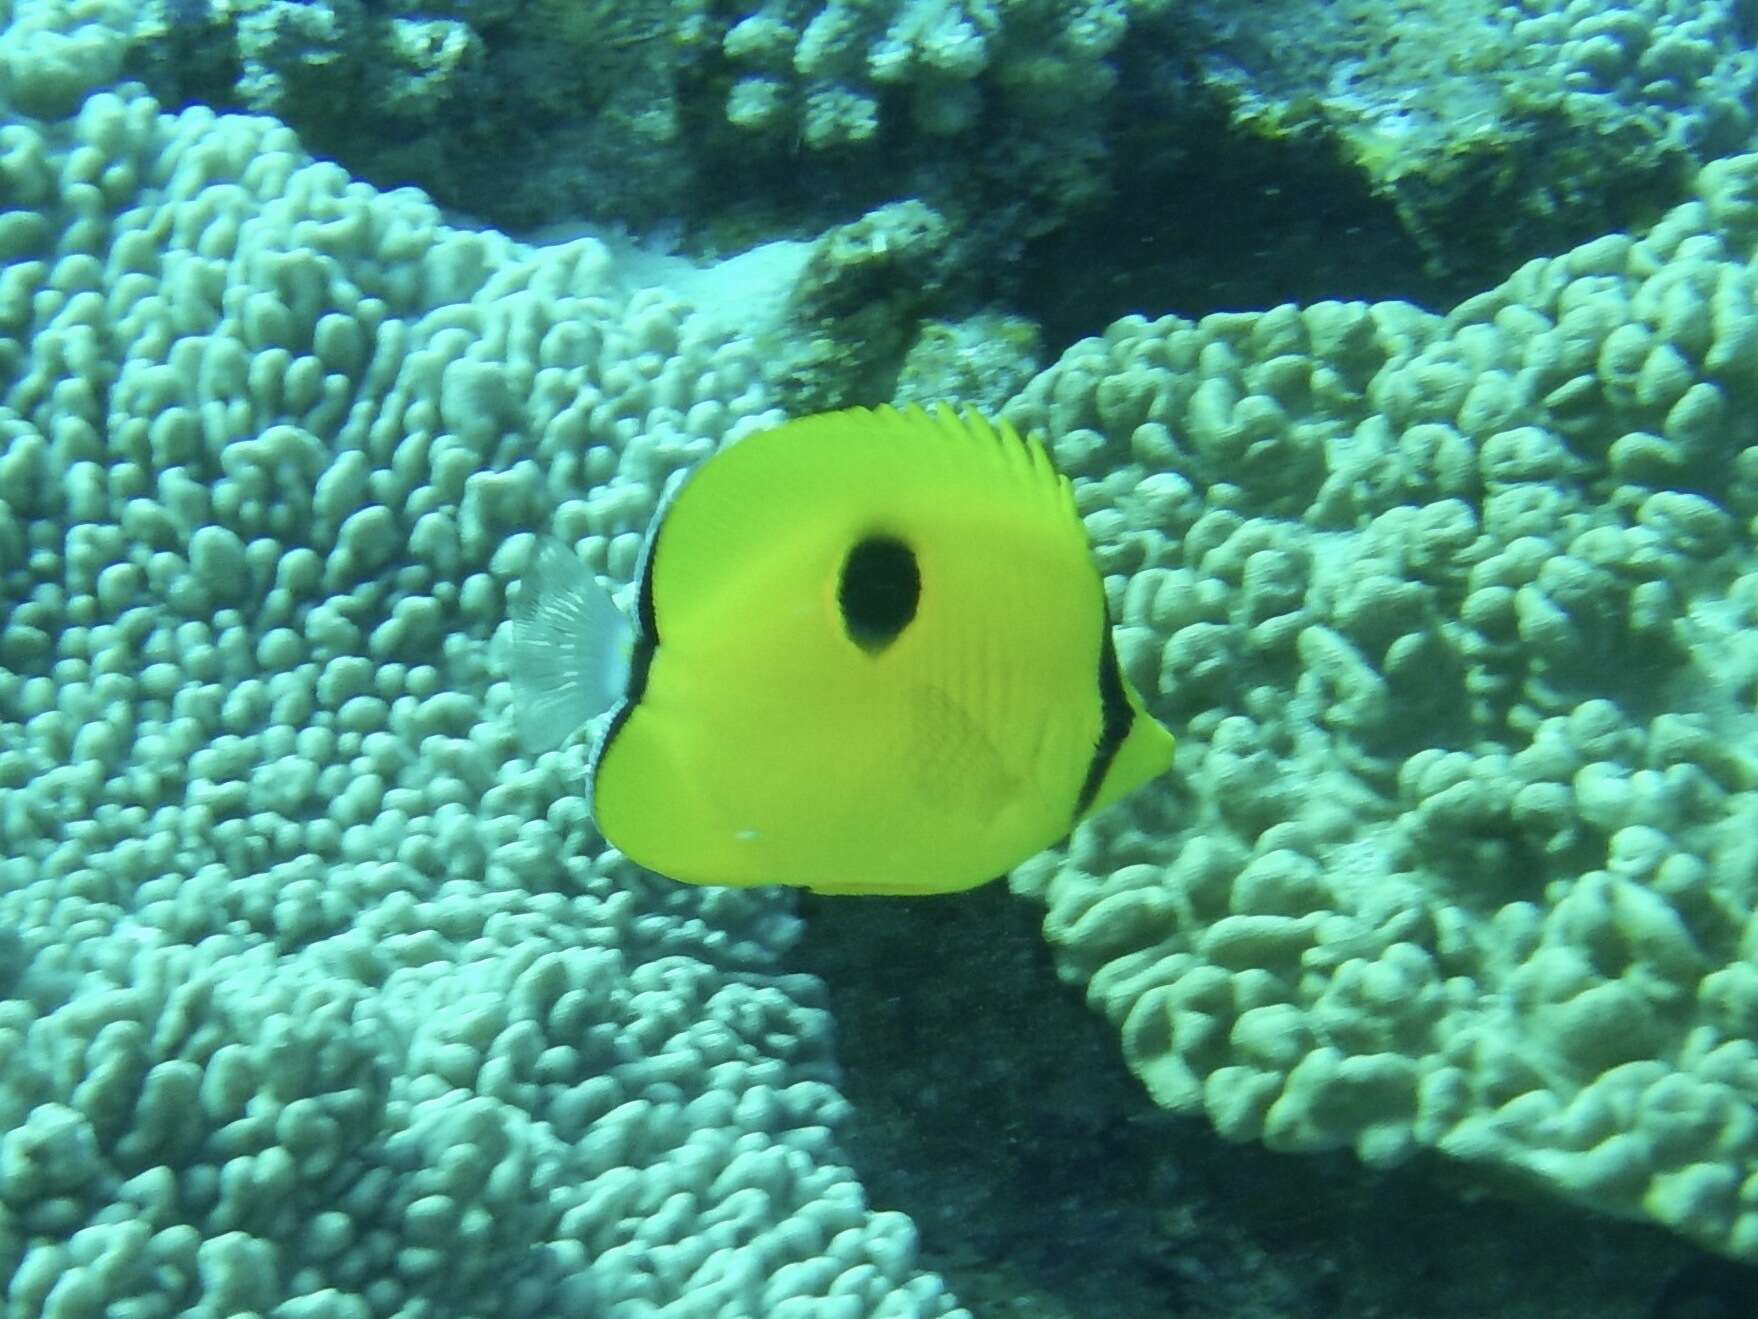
x,y
1213,208
1202,219
1744,14
1708,1288
194,63
992,1106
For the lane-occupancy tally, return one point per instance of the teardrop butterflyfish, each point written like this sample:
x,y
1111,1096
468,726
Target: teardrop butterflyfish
x,y
870,654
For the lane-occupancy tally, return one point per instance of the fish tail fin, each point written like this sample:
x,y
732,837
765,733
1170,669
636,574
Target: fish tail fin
x,y
570,652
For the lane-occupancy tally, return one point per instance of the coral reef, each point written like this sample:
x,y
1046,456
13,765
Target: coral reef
x,y
1485,133
1459,620
983,361
1495,130
622,111
1047,1183
317,998
853,313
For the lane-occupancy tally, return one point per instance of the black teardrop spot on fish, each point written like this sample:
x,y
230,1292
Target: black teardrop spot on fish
x,y
878,592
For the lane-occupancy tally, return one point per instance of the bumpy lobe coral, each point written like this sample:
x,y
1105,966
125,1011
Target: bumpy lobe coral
x,y
1455,615
318,999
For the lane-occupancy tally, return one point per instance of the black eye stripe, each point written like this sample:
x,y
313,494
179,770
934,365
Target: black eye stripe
x,y
878,591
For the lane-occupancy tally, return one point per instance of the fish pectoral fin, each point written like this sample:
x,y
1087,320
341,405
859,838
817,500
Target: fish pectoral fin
x,y
958,763
571,648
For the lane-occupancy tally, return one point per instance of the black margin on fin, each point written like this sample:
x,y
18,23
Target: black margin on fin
x,y
646,622
1117,716
646,643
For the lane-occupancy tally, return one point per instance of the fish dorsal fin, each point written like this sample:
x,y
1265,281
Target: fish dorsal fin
x,y
884,468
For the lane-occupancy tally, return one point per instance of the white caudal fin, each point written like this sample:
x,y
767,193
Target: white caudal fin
x,y
571,645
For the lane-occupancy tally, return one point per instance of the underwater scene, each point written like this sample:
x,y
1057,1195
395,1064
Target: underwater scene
x,y
824,659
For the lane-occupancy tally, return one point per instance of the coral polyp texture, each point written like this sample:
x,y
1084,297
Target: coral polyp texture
x,y
316,999
642,100
1485,131
1496,129
1458,617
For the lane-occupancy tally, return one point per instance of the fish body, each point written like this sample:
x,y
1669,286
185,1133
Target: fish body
x,y
870,654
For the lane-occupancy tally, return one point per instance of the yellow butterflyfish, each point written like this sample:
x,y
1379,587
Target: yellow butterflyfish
x,y
870,654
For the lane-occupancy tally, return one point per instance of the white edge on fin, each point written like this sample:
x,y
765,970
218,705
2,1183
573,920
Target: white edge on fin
x,y
571,647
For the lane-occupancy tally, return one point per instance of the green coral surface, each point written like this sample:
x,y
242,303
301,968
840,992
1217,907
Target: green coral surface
x,y
1459,618
317,998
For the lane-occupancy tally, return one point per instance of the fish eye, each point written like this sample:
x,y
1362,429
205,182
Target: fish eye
x,y
878,591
